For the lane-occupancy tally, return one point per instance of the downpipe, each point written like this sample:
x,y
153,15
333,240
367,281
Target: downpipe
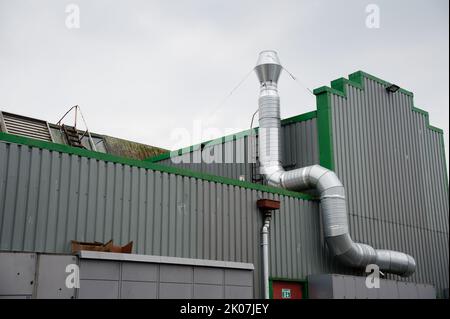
x,y
265,253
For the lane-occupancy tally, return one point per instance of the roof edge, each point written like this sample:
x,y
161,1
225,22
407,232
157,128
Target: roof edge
x,y
62,148
227,138
356,79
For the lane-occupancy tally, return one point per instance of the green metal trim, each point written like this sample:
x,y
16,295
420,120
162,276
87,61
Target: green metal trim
x,y
324,109
339,87
358,76
270,289
299,118
325,129
189,149
355,79
326,89
10,138
302,281
232,137
441,138
161,157
427,120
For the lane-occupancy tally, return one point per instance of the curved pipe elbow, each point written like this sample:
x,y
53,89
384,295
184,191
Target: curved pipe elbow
x,y
273,174
335,221
360,255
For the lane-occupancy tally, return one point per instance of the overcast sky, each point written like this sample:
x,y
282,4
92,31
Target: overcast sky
x,y
140,69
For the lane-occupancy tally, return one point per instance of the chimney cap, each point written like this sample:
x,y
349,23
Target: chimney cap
x,y
268,57
268,67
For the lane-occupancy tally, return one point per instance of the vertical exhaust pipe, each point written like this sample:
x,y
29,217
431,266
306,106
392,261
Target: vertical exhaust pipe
x,y
333,205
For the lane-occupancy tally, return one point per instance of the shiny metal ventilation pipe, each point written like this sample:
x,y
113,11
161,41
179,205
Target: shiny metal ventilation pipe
x,y
332,193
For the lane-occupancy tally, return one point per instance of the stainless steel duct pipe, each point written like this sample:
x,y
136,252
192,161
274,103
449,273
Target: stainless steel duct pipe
x,y
332,193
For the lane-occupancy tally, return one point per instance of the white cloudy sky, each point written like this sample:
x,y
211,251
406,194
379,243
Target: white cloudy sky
x,y
140,69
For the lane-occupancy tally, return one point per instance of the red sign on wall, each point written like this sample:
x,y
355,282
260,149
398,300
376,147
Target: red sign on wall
x,y
287,290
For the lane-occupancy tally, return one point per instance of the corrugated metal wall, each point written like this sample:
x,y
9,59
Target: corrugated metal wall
x,y
48,198
391,164
299,143
393,169
234,159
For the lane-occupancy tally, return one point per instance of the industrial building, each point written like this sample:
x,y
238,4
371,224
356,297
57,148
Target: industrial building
x,y
295,208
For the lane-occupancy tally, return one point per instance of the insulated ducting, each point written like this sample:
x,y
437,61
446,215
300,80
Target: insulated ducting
x,y
332,193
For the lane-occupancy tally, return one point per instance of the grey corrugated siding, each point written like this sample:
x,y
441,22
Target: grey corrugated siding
x,y
391,164
299,148
299,143
48,198
393,169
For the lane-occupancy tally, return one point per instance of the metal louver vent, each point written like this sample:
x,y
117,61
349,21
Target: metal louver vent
x,y
25,126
